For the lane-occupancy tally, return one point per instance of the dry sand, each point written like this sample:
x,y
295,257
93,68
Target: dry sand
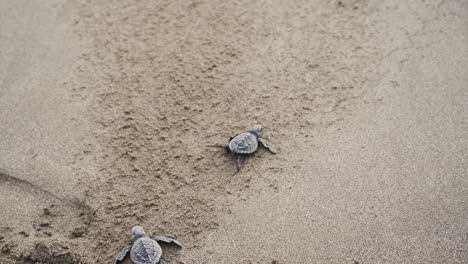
x,y
106,110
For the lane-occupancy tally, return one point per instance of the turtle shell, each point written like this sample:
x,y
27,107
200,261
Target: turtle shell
x,y
146,251
244,143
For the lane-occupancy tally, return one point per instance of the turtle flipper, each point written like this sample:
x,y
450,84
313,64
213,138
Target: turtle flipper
x,y
122,254
268,145
167,240
162,261
240,161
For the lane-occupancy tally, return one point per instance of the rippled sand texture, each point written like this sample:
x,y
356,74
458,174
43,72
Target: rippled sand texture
x,y
178,76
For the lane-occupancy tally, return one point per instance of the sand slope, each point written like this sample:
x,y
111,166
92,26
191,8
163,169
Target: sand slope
x,y
387,185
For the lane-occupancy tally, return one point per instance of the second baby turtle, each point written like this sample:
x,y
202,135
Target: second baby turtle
x,y
246,143
144,250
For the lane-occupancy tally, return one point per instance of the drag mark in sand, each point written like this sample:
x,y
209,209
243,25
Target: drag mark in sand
x,y
8,179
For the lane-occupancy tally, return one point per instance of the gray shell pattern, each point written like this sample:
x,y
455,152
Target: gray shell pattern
x,y
146,251
244,143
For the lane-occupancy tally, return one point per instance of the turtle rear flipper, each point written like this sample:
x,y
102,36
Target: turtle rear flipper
x,y
240,161
122,254
167,240
268,145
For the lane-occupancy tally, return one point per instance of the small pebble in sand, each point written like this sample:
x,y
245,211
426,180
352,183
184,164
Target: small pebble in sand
x,y
46,211
44,224
23,233
6,248
78,232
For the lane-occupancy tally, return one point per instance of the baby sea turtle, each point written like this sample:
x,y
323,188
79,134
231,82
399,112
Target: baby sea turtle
x,y
144,250
246,143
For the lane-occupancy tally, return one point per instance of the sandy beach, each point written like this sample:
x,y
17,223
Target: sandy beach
x,y
107,112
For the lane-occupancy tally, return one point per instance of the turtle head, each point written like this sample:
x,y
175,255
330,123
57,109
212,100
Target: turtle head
x,y
137,232
256,130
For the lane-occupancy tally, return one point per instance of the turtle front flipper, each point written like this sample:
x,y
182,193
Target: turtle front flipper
x,y
122,254
167,240
268,145
162,261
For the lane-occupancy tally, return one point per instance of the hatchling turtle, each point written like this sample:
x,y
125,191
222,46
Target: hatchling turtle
x,y
246,143
144,250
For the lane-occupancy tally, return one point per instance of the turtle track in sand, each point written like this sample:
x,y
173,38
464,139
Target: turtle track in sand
x,y
171,78
55,224
8,179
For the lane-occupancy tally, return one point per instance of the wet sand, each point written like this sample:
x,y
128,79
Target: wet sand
x,y
42,130
107,110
